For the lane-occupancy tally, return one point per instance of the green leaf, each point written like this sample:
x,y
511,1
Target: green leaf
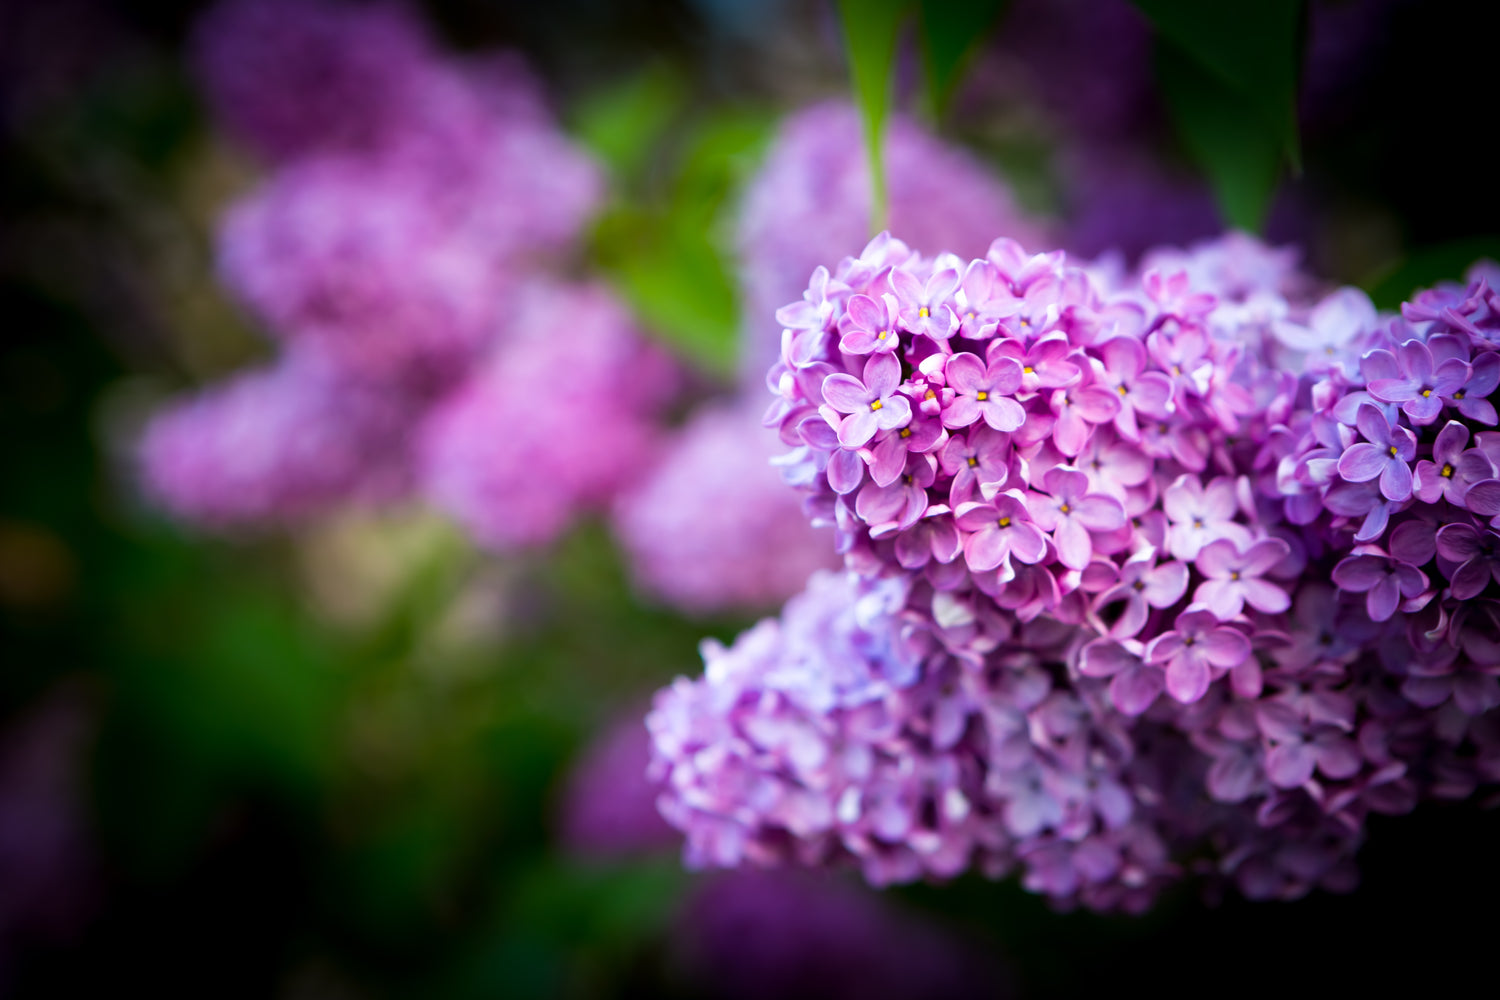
x,y
870,31
1252,47
1426,266
951,31
624,123
1240,154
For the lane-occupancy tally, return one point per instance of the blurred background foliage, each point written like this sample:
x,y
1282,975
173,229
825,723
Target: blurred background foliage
x,y
330,763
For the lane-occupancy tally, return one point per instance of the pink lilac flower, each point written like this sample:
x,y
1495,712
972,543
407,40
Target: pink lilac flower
x,y
1411,378
1234,578
871,405
983,392
1386,453
1070,513
1193,650
550,424
711,527
1476,555
1453,468
279,444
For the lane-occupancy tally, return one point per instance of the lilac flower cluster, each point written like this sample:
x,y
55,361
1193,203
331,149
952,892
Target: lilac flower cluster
x,y
397,253
1124,590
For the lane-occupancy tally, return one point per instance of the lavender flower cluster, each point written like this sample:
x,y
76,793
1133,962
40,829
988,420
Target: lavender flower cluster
x,y
1147,573
398,254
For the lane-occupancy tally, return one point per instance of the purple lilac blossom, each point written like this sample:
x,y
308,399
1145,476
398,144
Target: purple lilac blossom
x,y
607,806
280,443
557,420
414,198
712,528
1110,649
810,204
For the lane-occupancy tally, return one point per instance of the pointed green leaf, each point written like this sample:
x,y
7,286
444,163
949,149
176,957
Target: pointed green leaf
x,y
870,31
1252,47
951,31
1236,149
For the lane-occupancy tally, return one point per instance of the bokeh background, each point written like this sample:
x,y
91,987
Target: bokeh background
x,y
354,754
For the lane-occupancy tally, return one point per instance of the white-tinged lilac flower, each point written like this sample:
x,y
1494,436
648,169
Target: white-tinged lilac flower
x,y
1384,581
1201,514
1410,378
899,503
1070,512
996,530
1386,452
1195,651
1234,577
889,454
982,391
1453,469
871,405
1475,555
1334,324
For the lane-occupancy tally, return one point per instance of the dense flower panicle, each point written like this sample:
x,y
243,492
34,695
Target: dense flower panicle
x,y
280,442
560,417
712,527
810,204
1193,535
415,199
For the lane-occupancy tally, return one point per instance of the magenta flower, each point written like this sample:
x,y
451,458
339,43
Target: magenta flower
x,y
1142,585
1410,378
979,459
871,325
1476,555
1452,469
872,405
1472,398
1070,512
1077,409
1134,684
983,392
888,457
1113,466
997,530
1386,452
926,310
1234,577
1122,368
987,301
1382,579
901,502
1044,365
1193,650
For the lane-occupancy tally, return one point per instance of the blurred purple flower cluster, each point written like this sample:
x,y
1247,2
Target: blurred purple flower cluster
x,y
1090,521
398,253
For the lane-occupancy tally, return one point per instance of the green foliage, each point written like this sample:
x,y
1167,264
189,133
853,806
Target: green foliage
x,y
1229,73
1241,157
664,241
951,31
871,28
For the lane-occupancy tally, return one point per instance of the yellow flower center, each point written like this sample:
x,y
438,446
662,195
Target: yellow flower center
x,y
1028,370
973,461
1120,389
930,395
1234,575
1426,393
1393,451
906,432
876,405
1447,471
981,396
924,312
1065,508
1459,394
1005,522
882,334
